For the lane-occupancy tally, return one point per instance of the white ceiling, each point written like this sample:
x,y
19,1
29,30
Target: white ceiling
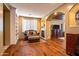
x,y
34,9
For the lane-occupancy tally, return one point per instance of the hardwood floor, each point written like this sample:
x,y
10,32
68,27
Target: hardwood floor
x,y
52,47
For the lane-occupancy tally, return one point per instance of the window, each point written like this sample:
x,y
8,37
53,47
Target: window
x,y
29,24
24,25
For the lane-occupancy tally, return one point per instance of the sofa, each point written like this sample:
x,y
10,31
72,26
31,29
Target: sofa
x,y
32,36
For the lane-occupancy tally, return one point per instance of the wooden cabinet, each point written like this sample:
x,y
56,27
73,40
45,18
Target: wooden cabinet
x,y
71,43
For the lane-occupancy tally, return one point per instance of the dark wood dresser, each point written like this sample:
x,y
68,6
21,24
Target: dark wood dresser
x,y
72,44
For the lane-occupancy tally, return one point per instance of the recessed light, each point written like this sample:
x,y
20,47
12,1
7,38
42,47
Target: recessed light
x,y
55,13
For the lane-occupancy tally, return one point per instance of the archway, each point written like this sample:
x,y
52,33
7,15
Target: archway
x,y
56,25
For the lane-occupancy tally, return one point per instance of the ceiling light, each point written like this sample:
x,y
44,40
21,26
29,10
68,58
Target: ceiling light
x,y
55,13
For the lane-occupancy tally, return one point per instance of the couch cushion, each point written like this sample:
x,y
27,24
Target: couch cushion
x,y
31,32
34,33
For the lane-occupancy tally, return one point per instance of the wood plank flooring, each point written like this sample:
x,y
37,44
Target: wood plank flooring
x,y
52,47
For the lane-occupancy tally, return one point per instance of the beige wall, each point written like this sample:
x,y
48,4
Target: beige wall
x,y
38,26
48,30
1,25
73,24
20,24
42,22
20,27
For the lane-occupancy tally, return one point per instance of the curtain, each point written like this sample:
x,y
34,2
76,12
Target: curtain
x,y
29,24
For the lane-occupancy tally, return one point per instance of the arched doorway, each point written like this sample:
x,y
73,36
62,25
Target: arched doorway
x,y
57,25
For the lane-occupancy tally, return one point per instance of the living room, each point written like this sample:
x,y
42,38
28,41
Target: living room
x,y
30,28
